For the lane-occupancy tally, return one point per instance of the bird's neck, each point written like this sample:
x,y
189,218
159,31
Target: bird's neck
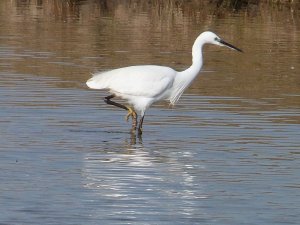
x,y
184,79
188,75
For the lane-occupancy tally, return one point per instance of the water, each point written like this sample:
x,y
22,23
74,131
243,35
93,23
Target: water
x,y
228,153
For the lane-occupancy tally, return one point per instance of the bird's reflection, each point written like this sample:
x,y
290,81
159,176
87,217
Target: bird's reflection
x,y
132,158
134,139
132,169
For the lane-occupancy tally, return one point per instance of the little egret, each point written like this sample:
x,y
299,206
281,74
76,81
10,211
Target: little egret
x,y
143,85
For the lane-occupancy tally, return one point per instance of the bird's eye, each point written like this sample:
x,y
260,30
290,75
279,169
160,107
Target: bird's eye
x,y
216,39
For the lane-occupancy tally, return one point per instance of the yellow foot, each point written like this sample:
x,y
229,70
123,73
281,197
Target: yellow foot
x,y
131,113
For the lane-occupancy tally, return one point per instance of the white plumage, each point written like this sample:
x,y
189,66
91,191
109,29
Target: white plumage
x,y
145,82
143,85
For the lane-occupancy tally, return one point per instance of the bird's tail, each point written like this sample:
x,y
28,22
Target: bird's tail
x,y
97,82
91,83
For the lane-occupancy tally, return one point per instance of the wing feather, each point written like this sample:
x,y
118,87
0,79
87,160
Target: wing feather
x,y
147,81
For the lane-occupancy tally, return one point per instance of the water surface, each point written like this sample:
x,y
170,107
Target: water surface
x,y
228,153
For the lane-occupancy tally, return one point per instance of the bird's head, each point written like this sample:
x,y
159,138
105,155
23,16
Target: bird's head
x,y
212,38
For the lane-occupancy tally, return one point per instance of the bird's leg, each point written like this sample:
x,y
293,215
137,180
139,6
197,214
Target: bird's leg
x,y
133,114
140,128
108,101
131,111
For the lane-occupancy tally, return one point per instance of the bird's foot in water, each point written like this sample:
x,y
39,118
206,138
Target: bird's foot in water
x,y
140,131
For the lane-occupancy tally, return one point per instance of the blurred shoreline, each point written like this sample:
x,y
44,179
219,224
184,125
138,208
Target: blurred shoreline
x,y
73,8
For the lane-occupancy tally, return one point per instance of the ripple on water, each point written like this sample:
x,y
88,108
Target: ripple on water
x,y
191,162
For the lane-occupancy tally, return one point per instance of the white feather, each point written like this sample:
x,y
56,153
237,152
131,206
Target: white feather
x,y
147,81
143,85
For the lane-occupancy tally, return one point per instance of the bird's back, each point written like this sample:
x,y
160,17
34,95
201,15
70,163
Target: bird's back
x,y
145,80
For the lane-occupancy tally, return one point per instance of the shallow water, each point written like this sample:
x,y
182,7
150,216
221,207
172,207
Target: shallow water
x,y
228,153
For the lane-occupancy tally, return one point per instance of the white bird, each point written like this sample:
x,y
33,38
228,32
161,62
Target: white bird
x,y
143,85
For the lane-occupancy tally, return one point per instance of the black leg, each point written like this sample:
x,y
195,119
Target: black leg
x,y
108,101
131,111
140,129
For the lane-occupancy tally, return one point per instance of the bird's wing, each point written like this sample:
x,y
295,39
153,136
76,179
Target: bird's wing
x,y
146,81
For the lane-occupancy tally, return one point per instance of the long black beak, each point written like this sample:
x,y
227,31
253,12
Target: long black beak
x,y
230,45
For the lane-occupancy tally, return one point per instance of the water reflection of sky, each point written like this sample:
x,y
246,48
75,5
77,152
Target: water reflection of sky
x,y
204,159
228,153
